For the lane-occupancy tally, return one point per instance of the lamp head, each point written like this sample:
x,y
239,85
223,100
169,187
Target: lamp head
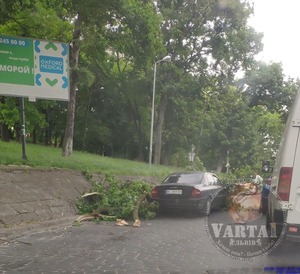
x,y
167,58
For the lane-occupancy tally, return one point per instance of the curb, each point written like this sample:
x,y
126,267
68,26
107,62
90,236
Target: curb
x,y
8,235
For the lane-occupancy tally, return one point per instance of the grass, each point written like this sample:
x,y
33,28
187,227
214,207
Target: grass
x,y
49,157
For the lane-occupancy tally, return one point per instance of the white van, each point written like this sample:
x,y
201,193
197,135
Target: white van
x,y
284,210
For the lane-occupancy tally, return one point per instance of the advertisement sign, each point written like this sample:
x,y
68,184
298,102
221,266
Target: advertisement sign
x,y
34,68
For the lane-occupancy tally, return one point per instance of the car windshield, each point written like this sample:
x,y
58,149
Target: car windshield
x,y
184,179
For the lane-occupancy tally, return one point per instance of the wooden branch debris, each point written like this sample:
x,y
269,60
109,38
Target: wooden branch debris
x,y
119,222
90,194
137,222
95,215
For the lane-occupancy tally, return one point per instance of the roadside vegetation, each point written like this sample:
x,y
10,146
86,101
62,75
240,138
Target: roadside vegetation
x,y
213,97
112,198
213,100
49,157
109,199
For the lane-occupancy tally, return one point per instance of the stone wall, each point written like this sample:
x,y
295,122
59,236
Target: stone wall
x,y
29,195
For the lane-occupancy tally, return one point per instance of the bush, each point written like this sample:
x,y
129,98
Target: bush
x,y
119,199
181,159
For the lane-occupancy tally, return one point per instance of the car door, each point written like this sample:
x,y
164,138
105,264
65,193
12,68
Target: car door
x,y
209,186
217,194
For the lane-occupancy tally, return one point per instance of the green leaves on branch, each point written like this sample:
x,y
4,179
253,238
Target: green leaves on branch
x,y
9,114
119,199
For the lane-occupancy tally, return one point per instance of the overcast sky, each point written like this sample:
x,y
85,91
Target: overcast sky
x,y
279,20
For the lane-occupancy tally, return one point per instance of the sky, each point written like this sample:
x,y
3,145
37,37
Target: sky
x,y
279,20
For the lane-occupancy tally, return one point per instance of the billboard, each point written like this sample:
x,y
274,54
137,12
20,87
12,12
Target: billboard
x,y
34,68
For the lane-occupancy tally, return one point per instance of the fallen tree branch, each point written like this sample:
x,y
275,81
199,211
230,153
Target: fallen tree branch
x,y
97,214
90,194
135,212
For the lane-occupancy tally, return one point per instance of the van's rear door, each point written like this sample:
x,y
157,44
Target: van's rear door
x,y
293,216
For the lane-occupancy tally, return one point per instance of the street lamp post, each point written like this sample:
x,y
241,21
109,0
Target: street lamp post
x,y
165,59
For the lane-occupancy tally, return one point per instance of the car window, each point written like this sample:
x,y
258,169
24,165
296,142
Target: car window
x,y
210,180
184,179
217,181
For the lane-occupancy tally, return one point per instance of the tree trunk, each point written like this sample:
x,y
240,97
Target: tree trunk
x,y
4,131
140,156
17,129
221,160
158,128
34,137
137,123
67,147
47,129
55,140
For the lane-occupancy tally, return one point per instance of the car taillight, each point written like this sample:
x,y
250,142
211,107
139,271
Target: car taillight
x,y
154,193
196,193
284,184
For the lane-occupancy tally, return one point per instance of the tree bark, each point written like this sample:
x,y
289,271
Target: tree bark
x,y
34,137
137,123
135,212
158,128
47,129
221,160
67,147
4,131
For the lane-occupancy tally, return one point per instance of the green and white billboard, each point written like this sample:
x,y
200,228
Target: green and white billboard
x,y
34,68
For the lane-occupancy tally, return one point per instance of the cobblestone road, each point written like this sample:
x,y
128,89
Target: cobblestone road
x,y
169,244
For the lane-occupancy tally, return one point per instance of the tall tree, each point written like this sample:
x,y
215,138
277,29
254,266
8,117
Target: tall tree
x,y
206,39
228,127
67,148
128,24
266,85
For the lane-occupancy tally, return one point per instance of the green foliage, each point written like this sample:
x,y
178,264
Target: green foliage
x,y
227,178
244,172
197,101
196,165
228,125
87,174
267,86
85,207
270,128
32,20
179,159
9,113
34,117
47,157
119,199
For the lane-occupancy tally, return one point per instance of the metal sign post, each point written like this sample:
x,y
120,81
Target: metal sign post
x,y
23,132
